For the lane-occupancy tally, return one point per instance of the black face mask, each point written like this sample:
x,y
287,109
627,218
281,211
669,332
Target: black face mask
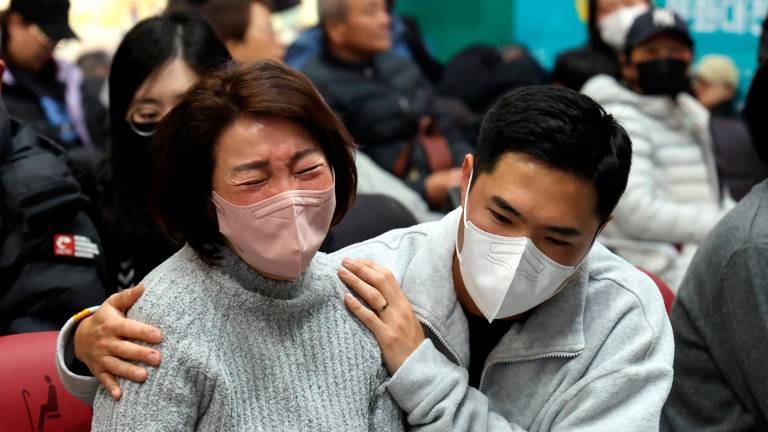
x,y
663,77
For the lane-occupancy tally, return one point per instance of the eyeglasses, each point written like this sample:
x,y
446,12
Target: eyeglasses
x,y
144,120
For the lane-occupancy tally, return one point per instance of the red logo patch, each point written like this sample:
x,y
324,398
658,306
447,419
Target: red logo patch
x,y
63,245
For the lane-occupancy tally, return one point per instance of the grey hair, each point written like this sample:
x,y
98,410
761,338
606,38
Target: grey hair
x,y
331,10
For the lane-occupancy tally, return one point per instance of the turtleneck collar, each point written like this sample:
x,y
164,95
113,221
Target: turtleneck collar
x,y
251,280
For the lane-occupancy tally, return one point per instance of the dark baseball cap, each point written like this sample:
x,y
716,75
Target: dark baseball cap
x,y
52,16
655,22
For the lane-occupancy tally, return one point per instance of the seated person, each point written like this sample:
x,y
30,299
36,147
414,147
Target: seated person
x,y
407,42
720,317
608,22
673,197
384,100
42,91
51,260
256,336
716,83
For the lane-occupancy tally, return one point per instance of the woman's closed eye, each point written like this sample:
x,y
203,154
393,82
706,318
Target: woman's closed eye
x,y
254,182
498,217
314,169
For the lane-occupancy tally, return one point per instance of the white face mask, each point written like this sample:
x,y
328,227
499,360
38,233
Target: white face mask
x,y
614,27
506,276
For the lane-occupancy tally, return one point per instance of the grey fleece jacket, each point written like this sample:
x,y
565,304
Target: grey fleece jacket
x,y
597,356
720,319
245,353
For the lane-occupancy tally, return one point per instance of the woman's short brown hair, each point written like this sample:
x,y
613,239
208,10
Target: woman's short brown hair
x,y
186,141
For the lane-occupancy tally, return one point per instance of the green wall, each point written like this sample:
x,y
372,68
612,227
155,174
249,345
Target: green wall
x,y
450,25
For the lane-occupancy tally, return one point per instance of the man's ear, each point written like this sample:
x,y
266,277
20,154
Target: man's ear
x,y
466,173
334,31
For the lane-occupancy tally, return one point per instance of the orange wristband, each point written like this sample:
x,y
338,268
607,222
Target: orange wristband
x,y
83,314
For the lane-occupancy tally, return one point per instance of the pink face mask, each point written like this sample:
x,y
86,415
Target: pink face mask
x,y
280,235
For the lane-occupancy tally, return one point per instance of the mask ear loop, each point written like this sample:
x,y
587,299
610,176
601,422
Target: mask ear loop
x,y
466,197
464,216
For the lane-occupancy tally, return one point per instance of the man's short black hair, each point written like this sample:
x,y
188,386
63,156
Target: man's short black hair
x,y
561,129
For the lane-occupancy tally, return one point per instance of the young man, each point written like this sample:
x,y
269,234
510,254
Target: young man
x,y
510,317
673,197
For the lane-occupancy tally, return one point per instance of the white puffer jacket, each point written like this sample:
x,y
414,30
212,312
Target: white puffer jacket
x,y
673,195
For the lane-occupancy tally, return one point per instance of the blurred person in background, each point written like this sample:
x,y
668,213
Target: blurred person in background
x,y
715,84
154,65
384,100
95,66
607,27
51,256
245,27
480,74
407,42
673,197
41,91
720,317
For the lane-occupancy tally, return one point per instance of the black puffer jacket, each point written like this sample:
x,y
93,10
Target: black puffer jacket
x,y
51,264
381,102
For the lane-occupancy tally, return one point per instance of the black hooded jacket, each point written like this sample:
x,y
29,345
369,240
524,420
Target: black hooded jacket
x,y
51,261
381,102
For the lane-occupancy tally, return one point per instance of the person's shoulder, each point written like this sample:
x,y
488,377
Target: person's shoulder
x,y
391,65
173,290
325,282
625,322
619,290
395,61
745,223
743,230
318,68
601,87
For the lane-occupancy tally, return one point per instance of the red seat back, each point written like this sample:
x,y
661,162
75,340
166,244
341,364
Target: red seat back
x,y
32,397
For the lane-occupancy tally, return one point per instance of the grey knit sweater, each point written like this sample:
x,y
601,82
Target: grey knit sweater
x,y
245,353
